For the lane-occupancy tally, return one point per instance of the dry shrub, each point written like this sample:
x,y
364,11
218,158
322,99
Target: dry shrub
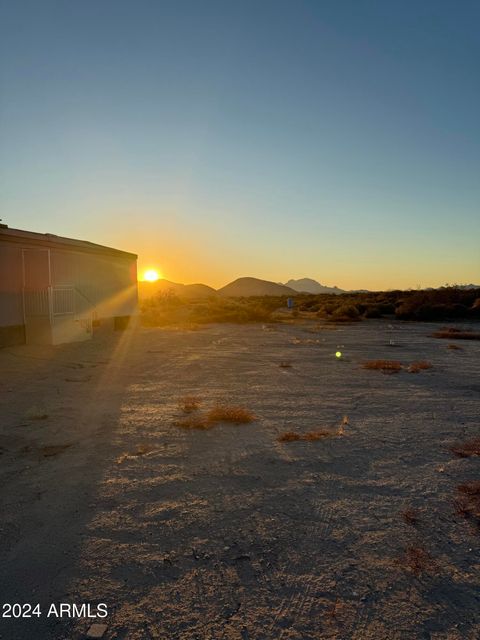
x,y
385,366
189,403
416,559
234,415
220,413
345,313
410,516
467,449
421,365
453,333
291,436
461,507
468,502
471,488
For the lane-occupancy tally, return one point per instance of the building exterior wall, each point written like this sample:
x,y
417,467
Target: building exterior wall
x,y
11,280
61,292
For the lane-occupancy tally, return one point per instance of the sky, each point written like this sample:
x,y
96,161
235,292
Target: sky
x,y
331,139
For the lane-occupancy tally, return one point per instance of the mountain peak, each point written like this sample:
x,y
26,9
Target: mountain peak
x,y
308,285
244,287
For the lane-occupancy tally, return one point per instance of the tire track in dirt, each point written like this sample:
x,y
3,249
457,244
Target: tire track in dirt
x,y
299,604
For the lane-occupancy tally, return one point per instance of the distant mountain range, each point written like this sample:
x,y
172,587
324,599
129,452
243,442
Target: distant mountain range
x,y
149,289
244,287
241,287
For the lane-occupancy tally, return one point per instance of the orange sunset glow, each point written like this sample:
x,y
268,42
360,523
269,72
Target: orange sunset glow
x,y
239,320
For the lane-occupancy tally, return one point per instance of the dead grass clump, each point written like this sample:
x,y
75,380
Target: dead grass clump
x,y
471,488
421,365
453,333
468,502
220,413
235,415
461,507
416,559
189,403
291,436
467,449
385,366
410,516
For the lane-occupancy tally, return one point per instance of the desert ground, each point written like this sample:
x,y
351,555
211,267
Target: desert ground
x,y
228,533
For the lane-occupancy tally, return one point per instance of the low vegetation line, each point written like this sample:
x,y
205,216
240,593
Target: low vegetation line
x,y
168,307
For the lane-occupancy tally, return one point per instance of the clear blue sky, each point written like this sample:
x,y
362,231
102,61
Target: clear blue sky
x,y
333,139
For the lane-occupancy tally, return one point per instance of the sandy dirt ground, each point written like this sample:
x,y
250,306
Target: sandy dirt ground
x,y
227,533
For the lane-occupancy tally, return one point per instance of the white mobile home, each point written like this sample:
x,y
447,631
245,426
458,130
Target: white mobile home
x,y
55,290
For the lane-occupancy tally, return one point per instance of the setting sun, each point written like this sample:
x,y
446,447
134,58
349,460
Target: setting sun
x,y
151,275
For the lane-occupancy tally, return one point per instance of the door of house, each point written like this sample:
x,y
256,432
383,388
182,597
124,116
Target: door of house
x,y
36,296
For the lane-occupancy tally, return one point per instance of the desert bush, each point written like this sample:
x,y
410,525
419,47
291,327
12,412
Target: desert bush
x,y
467,503
235,415
421,365
437,304
410,516
467,449
386,366
220,413
373,311
386,308
416,559
325,310
346,313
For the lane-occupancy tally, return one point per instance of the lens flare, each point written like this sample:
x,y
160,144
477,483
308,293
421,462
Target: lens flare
x,y
151,275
